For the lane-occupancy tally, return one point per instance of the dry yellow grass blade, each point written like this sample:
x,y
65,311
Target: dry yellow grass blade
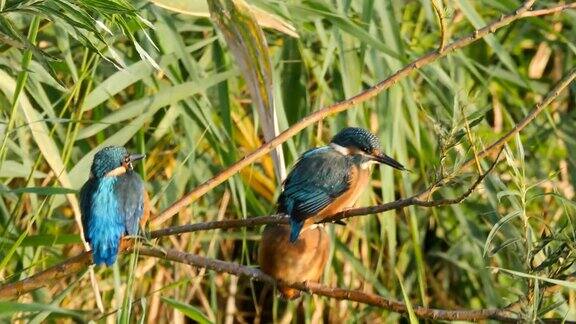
x,y
248,140
261,179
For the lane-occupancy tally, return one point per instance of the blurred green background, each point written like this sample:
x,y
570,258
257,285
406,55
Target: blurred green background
x,y
158,78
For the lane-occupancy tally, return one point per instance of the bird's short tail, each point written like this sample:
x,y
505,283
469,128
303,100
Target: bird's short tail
x,y
295,228
104,251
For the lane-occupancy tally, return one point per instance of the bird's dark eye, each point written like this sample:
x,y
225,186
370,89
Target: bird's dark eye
x,y
366,150
126,160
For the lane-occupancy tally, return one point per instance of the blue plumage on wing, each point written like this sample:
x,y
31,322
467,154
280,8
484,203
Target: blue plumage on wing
x,y
295,228
111,207
130,191
111,202
102,219
319,177
85,204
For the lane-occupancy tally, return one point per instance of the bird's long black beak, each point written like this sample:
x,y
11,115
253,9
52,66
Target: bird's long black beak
x,y
135,157
385,159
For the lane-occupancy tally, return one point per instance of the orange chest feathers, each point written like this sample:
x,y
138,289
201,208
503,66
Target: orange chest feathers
x,y
359,180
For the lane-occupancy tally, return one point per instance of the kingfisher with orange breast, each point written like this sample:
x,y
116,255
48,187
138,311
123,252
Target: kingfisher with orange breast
x,y
113,202
324,181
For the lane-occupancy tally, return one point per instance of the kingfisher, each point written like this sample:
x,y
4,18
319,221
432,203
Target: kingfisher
x,y
113,202
329,179
324,181
302,260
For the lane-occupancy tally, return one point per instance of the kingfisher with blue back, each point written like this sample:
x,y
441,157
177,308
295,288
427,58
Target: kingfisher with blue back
x,y
329,179
113,202
325,180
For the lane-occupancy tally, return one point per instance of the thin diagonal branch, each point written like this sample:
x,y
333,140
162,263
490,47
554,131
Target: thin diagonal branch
x,y
46,277
283,219
331,292
549,11
223,224
540,106
339,107
81,261
415,200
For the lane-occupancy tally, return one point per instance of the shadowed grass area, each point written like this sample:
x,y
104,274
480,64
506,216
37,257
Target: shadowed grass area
x,y
79,75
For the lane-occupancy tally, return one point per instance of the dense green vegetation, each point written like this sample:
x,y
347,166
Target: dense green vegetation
x,y
76,75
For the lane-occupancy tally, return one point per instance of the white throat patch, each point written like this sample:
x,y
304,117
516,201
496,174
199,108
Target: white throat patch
x,y
116,172
340,149
367,164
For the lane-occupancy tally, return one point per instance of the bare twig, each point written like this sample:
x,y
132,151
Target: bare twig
x,y
223,224
549,11
540,106
331,292
47,277
336,108
77,263
415,200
